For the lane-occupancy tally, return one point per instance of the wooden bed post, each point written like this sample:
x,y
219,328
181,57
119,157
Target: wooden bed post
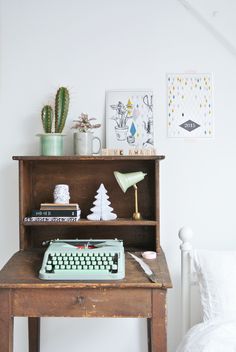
x,y
185,235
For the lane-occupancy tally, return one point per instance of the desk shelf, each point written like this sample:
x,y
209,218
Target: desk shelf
x,y
84,222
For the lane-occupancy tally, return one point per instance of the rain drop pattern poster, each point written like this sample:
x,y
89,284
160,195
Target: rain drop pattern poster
x,y
190,110
129,120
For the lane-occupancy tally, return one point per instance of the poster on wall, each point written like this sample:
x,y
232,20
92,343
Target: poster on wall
x,y
129,120
190,106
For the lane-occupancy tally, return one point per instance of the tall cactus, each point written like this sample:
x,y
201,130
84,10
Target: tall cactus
x,y
47,118
61,108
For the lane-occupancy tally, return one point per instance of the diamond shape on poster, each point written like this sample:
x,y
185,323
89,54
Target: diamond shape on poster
x,y
189,125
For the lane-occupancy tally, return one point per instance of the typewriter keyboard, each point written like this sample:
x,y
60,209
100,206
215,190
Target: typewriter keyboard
x,y
82,264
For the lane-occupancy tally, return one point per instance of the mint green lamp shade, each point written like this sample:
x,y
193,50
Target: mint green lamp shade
x,y
129,179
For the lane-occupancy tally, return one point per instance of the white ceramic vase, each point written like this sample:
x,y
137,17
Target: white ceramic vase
x,y
84,143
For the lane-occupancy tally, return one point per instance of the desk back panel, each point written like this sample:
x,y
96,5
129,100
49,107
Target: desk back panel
x,y
39,175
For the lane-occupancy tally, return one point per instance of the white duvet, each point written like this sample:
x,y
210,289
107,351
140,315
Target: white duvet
x,y
218,335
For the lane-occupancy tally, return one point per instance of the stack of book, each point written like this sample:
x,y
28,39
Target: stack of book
x,y
55,212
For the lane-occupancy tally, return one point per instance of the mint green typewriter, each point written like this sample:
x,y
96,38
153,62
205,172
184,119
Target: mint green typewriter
x,y
83,260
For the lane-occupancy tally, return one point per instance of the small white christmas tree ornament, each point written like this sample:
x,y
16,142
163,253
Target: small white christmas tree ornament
x,y
101,209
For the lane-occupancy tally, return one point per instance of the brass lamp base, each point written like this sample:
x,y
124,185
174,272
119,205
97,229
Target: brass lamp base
x,y
137,216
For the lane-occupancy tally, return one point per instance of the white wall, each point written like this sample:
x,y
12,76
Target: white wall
x,y
91,46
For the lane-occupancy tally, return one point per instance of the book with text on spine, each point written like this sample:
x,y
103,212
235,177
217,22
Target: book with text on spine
x,y
53,213
51,219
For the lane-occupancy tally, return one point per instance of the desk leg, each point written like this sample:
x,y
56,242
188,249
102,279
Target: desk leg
x,y
34,334
157,324
6,321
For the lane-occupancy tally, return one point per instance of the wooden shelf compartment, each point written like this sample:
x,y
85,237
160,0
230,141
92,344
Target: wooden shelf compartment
x,y
39,175
132,236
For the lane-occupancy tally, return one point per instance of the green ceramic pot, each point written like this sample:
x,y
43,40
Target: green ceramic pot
x,y
51,144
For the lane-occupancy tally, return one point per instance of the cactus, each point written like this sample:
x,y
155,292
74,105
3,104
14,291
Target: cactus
x,y
61,108
47,118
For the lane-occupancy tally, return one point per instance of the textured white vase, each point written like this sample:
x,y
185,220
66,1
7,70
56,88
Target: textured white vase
x,y
61,194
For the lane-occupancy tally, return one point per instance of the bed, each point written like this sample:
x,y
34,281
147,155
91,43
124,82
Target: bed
x,y
213,274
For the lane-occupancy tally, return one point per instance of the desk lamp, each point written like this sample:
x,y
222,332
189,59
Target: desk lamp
x,y
127,180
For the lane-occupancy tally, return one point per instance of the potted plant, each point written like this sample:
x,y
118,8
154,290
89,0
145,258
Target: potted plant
x,y
51,142
83,137
123,113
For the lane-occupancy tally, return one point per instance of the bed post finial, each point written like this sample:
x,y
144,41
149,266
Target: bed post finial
x,y
185,235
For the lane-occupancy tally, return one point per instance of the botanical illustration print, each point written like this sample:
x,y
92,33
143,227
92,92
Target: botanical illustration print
x,y
190,111
129,120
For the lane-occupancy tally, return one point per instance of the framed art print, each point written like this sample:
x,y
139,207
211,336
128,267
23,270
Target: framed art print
x,y
190,106
129,119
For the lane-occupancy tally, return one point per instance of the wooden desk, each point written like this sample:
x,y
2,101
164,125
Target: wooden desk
x,y
22,293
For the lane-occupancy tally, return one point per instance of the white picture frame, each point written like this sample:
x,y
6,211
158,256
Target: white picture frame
x,y
129,120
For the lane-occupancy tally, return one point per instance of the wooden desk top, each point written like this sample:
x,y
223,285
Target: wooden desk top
x,y
21,271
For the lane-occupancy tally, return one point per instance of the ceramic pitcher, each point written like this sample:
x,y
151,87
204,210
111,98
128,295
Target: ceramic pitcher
x,y
84,143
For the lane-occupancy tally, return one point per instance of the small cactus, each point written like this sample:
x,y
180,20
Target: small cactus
x,y
61,108
47,118
61,111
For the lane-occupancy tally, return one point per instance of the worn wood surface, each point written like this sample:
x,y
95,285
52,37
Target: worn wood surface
x,y
85,222
157,337
6,321
76,157
22,272
66,302
33,334
157,208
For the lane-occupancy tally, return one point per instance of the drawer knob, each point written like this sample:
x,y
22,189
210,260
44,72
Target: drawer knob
x,y
80,299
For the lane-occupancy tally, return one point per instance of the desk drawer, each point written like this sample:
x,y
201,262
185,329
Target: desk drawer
x,y
82,302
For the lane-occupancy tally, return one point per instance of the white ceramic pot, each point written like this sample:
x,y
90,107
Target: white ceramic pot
x,y
121,133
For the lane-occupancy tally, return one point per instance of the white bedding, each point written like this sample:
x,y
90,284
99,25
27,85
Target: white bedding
x,y
217,335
